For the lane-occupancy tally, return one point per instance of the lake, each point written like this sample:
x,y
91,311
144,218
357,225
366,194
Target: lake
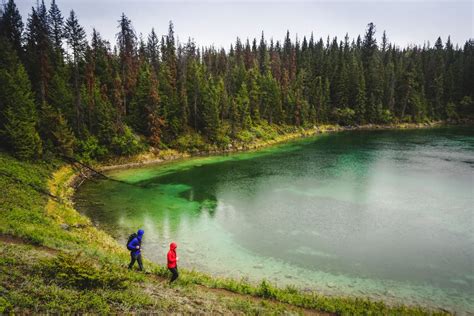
x,y
381,214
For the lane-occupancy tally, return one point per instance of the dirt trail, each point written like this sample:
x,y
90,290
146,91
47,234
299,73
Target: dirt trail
x,y
163,284
8,239
253,299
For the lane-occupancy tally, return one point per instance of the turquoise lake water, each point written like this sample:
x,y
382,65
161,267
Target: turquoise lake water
x,y
382,214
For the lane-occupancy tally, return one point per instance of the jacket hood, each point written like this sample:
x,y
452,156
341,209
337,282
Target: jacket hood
x,y
140,232
173,246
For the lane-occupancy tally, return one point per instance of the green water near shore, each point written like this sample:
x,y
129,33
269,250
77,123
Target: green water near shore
x,y
381,214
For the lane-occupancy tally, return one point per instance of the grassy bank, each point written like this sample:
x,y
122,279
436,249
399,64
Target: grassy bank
x,y
257,137
54,260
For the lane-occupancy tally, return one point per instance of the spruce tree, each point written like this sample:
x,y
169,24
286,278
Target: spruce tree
x,y
19,116
243,107
39,51
76,39
254,94
210,112
127,45
153,50
56,27
11,26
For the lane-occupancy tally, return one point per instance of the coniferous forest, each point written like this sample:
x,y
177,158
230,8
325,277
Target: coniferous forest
x,y
61,93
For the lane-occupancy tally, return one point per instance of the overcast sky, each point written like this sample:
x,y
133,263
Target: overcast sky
x,y
220,22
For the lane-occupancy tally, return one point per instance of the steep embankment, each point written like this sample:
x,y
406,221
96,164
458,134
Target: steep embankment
x,y
54,260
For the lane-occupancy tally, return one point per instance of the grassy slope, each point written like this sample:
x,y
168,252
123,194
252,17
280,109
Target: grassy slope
x,y
53,259
259,136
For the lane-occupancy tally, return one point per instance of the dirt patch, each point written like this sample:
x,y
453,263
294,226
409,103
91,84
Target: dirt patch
x,y
14,240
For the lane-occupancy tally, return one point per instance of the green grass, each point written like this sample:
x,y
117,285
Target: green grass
x,y
57,261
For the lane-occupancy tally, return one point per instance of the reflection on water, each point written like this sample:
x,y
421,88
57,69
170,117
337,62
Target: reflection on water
x,y
383,214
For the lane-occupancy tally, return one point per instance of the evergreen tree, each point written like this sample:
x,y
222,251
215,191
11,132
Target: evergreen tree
x,y
56,134
19,117
76,39
271,99
144,108
254,95
39,51
165,90
210,109
360,101
153,51
11,26
243,107
168,83
127,45
56,27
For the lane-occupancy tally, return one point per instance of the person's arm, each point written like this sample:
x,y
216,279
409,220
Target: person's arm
x,y
134,244
171,257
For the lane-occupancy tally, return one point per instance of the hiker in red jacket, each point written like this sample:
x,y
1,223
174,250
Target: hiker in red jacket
x,y
172,260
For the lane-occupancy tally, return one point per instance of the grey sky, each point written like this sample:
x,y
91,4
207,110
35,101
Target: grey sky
x,y
220,22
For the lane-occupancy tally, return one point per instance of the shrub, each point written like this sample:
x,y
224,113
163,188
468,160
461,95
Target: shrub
x,y
265,290
466,106
5,306
76,271
264,131
345,116
127,143
245,136
451,112
222,139
386,117
190,142
90,149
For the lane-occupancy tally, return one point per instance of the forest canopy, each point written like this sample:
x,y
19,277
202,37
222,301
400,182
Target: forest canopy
x,y
61,93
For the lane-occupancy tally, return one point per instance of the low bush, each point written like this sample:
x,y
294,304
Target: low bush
x,y
191,141
78,271
127,143
90,149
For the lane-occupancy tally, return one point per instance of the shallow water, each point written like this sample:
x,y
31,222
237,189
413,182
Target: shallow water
x,y
381,214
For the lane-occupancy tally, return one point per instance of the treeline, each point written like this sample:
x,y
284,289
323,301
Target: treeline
x,y
60,93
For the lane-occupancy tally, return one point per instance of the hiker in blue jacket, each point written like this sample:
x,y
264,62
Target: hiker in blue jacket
x,y
135,245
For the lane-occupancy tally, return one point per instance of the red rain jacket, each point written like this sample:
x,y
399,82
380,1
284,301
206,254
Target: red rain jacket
x,y
172,256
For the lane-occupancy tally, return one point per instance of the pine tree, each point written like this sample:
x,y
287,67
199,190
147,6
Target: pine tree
x,y
164,90
39,51
153,51
243,107
19,117
168,83
76,40
360,102
193,91
373,70
210,112
144,107
11,26
56,27
263,56
56,134
254,94
127,45
271,108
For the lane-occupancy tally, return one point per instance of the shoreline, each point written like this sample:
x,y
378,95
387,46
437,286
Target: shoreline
x,y
76,175
169,155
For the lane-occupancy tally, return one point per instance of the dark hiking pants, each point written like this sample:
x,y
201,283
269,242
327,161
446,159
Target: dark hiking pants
x,y
136,257
174,271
